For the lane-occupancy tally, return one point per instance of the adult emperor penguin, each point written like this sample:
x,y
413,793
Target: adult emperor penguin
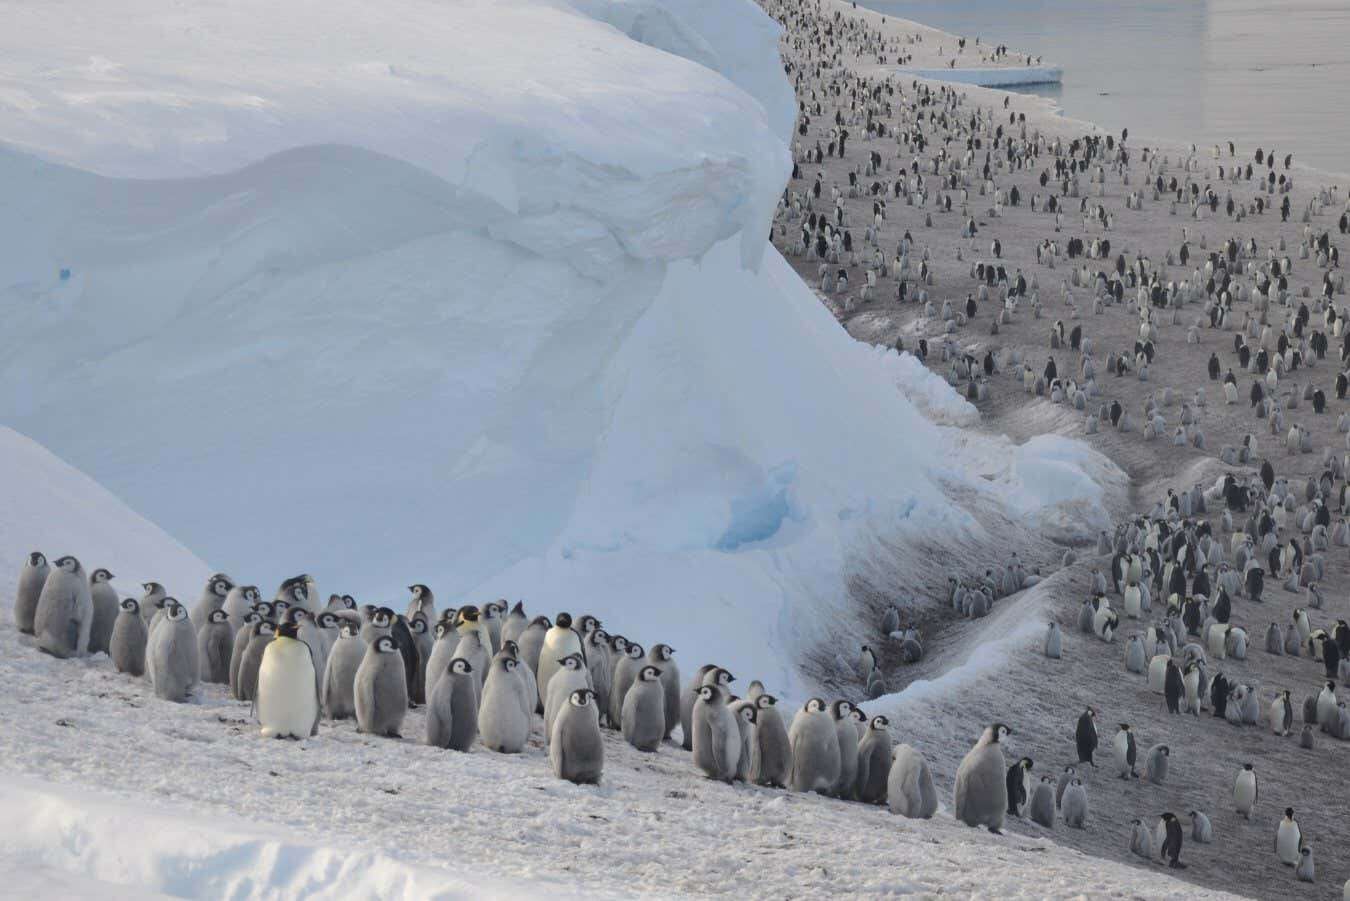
x,y
814,744
874,762
772,759
380,690
339,676
104,598
1086,736
1172,841
171,655
1173,687
287,703
1016,781
1125,752
842,711
575,748
662,656
213,598
504,717
981,793
909,787
31,579
1135,659
559,642
1288,839
1282,714
65,611
1245,791
452,709
717,740
1075,804
1041,807
215,646
1306,870
643,716
626,670
127,645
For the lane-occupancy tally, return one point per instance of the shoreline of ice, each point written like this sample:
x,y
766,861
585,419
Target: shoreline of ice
x,y
989,77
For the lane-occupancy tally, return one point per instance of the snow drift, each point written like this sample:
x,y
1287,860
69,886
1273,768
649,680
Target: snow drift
x,y
476,295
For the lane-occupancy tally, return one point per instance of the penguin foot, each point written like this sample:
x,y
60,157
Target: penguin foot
x,y
1177,865
995,831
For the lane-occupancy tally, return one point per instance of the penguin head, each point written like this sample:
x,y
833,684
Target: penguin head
x,y
460,665
998,732
328,620
1124,727
586,624
878,723
101,575
662,652
280,606
381,617
708,693
174,610
858,716
418,624
251,617
1164,750
649,674
619,645
598,638
288,630
217,616
564,621
511,648
130,605
349,602
350,629
68,564
221,585
250,593
263,609
1247,767
724,677
36,559
635,651
384,644
571,661
519,609
419,591
841,710
493,609
581,697
765,701
748,713
1289,813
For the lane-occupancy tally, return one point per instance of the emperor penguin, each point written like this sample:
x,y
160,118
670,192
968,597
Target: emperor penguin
x,y
152,601
504,717
65,610
626,671
472,646
1170,848
529,696
1282,714
1068,775
238,603
662,656
127,645
426,643
1016,781
1155,764
1053,641
380,689
1134,654
106,608
814,745
515,623
240,644
1157,673
1306,739
575,748
1202,832
1245,791
287,703
1041,807
376,621
1075,804
842,711
745,713
452,709
171,655
772,758
1174,687
1141,840
443,648
867,662
1305,871
559,642
909,786
339,676
1275,639
1085,736
213,598
531,643
707,675
1326,705
491,617
215,646
570,675
1125,752
717,739
981,793
246,687
423,601
600,668
1288,839
643,716
31,579
874,762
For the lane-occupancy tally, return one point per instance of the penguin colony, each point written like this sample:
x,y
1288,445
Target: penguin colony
x,y
938,221
487,676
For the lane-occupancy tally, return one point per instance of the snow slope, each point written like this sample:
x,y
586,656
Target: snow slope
x,y
442,298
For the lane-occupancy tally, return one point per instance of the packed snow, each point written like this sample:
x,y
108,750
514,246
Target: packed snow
x,y
1007,77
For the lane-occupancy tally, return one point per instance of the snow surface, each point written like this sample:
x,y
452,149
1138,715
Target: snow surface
x,y
1002,77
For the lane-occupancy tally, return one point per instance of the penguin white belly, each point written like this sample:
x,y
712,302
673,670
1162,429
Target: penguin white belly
x,y
1286,843
1157,673
288,705
1244,793
1133,602
1218,641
